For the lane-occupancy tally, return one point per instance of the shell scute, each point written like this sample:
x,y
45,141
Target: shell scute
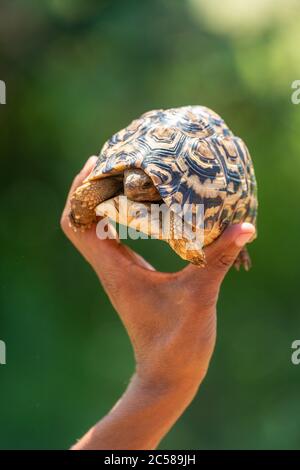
x,y
192,157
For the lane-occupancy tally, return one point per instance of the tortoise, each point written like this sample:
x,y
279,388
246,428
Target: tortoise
x,y
178,156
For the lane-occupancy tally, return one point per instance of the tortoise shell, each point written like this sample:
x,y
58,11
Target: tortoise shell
x,y
192,157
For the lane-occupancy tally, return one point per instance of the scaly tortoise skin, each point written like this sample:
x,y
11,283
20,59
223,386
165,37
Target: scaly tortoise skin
x,y
184,155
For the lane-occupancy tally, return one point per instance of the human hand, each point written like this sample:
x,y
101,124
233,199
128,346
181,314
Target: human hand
x,y
170,317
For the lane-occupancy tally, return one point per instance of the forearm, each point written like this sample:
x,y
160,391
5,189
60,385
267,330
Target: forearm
x,y
141,418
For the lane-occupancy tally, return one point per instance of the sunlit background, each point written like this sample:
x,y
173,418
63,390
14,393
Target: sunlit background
x,y
76,71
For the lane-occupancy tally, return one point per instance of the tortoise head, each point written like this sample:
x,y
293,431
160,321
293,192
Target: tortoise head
x,y
139,187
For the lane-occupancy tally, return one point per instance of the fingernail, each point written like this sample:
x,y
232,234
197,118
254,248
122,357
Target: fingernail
x,y
245,237
91,160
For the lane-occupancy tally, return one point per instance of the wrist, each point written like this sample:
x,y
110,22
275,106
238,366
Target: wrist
x,y
179,373
181,387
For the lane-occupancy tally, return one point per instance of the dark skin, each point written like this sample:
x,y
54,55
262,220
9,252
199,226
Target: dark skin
x,y
170,319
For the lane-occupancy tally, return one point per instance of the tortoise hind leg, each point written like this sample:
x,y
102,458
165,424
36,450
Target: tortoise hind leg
x,y
243,259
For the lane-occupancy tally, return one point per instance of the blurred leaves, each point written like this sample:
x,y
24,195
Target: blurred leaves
x,y
76,72
243,18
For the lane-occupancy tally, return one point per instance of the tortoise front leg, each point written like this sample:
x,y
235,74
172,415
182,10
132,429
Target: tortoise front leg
x,y
87,197
195,256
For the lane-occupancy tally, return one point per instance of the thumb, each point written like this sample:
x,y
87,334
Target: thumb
x,y
223,252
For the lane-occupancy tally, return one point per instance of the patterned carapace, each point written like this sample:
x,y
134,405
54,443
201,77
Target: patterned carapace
x,y
192,157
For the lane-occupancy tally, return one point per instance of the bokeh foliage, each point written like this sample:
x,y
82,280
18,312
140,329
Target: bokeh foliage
x,y
77,71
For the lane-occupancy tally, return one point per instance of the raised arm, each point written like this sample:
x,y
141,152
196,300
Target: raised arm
x,y
170,319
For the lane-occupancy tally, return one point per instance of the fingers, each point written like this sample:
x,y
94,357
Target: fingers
x,y
222,253
116,265
138,259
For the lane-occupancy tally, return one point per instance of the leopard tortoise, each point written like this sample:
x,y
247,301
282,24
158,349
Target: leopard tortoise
x,y
178,156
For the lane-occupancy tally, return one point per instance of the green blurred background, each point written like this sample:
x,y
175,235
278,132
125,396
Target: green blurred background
x,y
77,71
